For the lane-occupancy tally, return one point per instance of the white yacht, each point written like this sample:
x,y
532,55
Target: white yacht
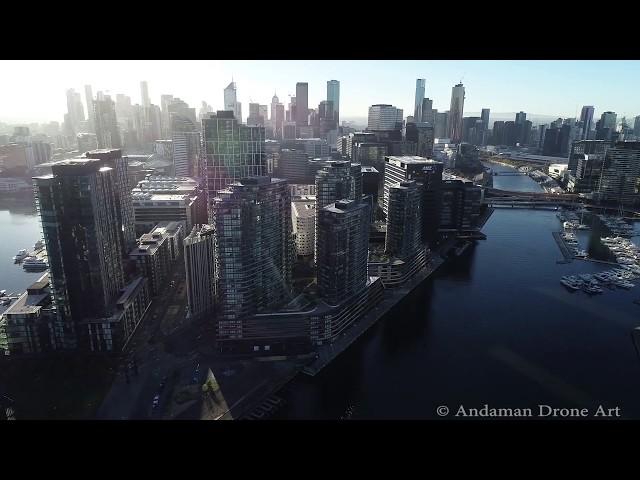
x,y
21,255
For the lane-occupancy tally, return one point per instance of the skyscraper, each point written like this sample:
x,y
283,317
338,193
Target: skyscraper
x,y
336,181
199,261
165,100
232,151
113,159
636,127
75,112
342,249
302,104
253,248
586,117
620,172
333,95
417,109
404,221
455,113
77,206
144,94
88,97
384,117
425,171
106,123
231,102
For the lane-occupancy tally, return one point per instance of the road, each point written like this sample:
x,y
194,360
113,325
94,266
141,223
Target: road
x,y
164,343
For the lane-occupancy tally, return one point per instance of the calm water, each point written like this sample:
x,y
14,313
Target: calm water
x,y
494,327
20,228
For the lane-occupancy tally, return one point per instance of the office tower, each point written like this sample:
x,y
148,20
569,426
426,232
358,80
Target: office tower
x,y
370,182
291,110
404,221
333,95
112,158
442,124
510,133
303,216
342,248
471,129
606,126
124,113
302,104
165,101
620,172
585,163
608,120
205,109
279,122
78,209
417,109
106,123
564,141
275,124
293,165
425,171
485,118
455,113
231,102
75,112
428,113
86,142
289,131
185,144
253,248
551,145
144,94
586,117
384,117
326,119
88,97
199,262
543,130
636,127
232,151
422,135
263,110
254,117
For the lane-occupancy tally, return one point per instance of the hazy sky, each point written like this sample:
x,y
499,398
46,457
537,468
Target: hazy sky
x,y
34,91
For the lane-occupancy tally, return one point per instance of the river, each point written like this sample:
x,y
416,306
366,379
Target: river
x,y
494,327
20,229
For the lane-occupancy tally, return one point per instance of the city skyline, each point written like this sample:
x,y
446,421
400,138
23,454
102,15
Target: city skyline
x,y
555,88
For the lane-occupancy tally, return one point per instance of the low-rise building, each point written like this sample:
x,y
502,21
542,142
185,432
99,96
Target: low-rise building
x,y
25,326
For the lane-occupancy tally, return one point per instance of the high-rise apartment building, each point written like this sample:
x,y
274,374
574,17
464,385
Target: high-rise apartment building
x,y
425,171
231,151
113,158
254,250
456,112
342,250
404,220
620,172
88,97
78,209
199,261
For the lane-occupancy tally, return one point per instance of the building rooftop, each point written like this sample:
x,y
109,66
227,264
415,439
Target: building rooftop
x,y
368,170
129,290
304,209
159,197
410,159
